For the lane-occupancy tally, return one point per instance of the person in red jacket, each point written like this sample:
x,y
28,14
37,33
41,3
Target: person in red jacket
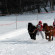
x,y
54,24
40,28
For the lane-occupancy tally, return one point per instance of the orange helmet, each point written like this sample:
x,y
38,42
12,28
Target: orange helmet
x,y
40,22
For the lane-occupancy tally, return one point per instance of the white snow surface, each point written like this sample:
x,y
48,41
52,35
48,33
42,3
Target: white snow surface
x,y
17,41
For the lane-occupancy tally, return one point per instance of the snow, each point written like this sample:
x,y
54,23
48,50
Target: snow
x,y
11,34
17,41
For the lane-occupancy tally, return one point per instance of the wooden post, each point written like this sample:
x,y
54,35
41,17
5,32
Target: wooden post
x,y
16,21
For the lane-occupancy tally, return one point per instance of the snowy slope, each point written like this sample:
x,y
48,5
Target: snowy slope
x,y
18,42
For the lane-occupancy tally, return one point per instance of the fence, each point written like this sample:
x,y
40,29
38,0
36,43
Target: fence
x,y
13,22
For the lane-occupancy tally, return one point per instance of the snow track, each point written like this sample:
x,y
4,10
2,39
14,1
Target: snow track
x,y
13,34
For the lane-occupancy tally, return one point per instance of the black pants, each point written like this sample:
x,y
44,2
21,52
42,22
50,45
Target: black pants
x,y
33,35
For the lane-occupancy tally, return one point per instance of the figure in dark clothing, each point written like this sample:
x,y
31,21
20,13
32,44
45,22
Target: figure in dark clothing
x,y
31,28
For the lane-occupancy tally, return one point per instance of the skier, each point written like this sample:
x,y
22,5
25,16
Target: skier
x,y
40,28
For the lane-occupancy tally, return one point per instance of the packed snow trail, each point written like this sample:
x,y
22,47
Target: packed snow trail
x,y
13,34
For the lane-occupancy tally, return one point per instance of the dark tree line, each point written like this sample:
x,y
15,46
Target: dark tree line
x,y
18,6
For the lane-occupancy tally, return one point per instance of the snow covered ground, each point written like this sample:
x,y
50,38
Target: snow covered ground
x,y
17,41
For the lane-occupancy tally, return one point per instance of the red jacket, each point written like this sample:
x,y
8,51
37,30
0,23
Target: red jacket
x,y
54,25
40,27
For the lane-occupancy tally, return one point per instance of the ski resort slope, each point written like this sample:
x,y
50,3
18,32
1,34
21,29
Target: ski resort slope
x,y
17,41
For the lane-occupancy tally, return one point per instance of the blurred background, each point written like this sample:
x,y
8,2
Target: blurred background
x,y
21,6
